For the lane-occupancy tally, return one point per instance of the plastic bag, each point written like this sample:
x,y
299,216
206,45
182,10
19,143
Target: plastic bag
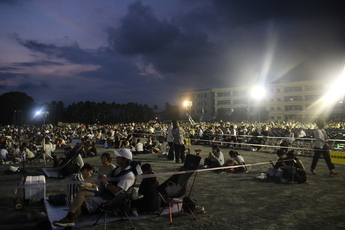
x,y
171,188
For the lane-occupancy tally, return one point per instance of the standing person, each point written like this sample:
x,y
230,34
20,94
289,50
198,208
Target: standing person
x,y
321,147
178,140
170,140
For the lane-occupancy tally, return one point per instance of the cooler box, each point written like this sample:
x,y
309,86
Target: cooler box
x,y
37,192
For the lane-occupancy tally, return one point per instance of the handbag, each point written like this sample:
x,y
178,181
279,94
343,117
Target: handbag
x,y
57,200
171,188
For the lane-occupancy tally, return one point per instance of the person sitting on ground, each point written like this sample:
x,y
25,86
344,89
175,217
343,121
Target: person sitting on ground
x,y
30,156
282,158
4,156
296,171
235,159
139,147
156,146
215,158
291,168
21,155
148,144
125,178
72,189
150,201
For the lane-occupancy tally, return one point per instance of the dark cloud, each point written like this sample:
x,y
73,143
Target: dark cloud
x,y
11,2
165,46
7,69
209,43
30,86
227,42
40,63
142,33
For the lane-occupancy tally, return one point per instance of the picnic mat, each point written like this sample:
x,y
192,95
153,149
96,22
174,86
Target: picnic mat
x,y
59,212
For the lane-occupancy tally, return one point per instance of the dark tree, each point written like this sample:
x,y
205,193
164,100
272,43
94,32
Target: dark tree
x,y
16,108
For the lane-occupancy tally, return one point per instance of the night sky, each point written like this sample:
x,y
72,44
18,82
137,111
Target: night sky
x,y
149,51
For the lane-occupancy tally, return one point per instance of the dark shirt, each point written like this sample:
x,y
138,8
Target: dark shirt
x,y
151,200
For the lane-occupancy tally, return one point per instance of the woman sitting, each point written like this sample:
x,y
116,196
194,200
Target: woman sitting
x,y
150,201
106,169
215,158
235,159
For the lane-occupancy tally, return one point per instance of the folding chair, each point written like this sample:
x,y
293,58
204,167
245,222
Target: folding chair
x,y
191,163
121,204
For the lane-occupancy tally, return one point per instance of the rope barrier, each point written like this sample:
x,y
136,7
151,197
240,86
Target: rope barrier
x,y
137,177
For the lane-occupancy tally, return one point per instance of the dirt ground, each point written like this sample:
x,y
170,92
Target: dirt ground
x,y
231,201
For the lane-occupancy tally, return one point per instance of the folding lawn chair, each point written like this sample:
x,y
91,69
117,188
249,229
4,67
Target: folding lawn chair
x,y
121,204
191,163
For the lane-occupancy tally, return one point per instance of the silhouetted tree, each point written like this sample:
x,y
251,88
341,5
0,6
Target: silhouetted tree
x,y
16,108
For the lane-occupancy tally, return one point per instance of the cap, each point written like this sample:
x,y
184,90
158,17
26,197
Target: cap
x,y
126,153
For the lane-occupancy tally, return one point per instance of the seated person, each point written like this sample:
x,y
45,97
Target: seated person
x,y
4,156
296,171
235,159
150,201
69,164
291,169
106,169
215,158
139,147
148,144
72,189
125,178
156,146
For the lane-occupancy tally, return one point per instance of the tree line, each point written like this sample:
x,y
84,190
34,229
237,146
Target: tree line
x,y
18,108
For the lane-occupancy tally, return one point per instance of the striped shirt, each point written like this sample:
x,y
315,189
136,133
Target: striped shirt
x,y
73,188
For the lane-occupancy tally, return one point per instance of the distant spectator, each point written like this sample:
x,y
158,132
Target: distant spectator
x,y
215,158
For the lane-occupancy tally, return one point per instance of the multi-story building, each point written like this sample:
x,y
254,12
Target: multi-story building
x,y
281,101
200,105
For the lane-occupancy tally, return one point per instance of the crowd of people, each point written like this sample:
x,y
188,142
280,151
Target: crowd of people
x,y
26,143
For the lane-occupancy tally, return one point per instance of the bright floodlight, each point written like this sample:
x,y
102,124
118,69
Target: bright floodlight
x,y
187,103
336,90
258,92
38,112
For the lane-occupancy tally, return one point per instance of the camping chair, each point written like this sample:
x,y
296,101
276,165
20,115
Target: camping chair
x,y
120,204
191,163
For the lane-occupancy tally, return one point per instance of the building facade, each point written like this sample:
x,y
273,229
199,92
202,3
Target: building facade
x,y
281,101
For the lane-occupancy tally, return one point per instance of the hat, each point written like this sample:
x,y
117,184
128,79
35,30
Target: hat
x,y
126,153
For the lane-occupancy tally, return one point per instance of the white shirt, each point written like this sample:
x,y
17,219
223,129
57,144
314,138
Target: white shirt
x,y
170,136
139,147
